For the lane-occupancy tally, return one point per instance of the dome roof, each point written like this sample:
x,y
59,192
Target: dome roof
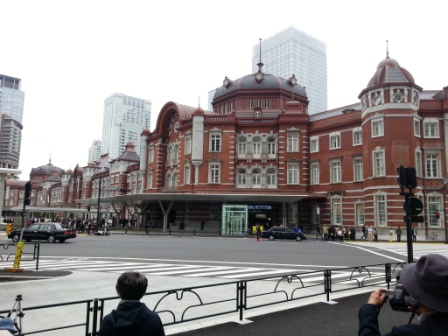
x,y
389,71
47,169
249,82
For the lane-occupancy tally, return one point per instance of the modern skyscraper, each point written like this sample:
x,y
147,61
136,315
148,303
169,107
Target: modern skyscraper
x,y
10,142
292,51
11,97
94,151
124,119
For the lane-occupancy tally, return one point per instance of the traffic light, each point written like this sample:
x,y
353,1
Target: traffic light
x,y
28,187
407,177
88,208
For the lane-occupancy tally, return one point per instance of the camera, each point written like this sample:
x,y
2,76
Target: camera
x,y
400,299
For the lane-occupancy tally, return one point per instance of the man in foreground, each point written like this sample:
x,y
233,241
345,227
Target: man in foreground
x,y
131,317
421,289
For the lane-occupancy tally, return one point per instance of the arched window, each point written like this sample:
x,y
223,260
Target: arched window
x,y
272,148
242,145
256,178
256,146
241,177
271,178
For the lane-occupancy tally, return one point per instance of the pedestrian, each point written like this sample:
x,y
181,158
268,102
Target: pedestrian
x,y
363,230
147,228
423,290
325,232
318,231
202,225
370,233
375,234
399,234
131,317
258,231
391,234
331,233
414,234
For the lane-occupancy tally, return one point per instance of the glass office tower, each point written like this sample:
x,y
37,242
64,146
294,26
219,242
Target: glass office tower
x,y
124,119
292,51
12,97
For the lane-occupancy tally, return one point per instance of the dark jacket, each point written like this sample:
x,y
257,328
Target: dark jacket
x,y
433,325
131,318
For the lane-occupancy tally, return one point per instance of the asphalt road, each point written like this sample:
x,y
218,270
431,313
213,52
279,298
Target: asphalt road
x,y
245,251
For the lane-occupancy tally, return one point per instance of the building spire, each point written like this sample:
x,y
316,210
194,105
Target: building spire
x,y
387,48
260,64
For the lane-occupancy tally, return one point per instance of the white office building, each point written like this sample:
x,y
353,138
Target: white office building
x,y
124,119
94,151
292,51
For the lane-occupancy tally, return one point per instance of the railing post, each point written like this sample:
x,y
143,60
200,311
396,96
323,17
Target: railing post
x,y
88,318
241,297
37,248
95,316
327,283
388,275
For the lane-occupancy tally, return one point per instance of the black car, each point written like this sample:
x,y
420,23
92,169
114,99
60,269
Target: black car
x,y
43,231
278,232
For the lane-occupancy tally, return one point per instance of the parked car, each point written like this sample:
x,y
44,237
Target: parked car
x,y
43,231
278,232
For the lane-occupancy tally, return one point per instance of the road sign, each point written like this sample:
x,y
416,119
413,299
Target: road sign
x,y
416,219
415,205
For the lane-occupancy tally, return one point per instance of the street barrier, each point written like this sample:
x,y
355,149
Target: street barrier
x,y
27,255
181,305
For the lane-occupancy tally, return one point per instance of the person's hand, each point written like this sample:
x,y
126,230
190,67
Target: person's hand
x,y
378,297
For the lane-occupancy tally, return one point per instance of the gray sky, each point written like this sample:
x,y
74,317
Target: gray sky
x,y
71,55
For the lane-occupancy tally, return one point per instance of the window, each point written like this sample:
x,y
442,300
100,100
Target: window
x,y
187,174
241,177
271,178
335,171
215,142
434,206
315,173
335,140
357,136
256,146
266,103
257,114
418,163
242,145
151,154
336,211
251,103
293,173
432,165
360,217
258,102
380,210
272,148
431,128
358,169
417,127
293,142
314,144
214,172
377,128
379,165
256,178
188,144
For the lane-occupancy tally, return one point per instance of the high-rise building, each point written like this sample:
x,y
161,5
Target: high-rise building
x,y
292,51
10,142
124,119
94,151
11,97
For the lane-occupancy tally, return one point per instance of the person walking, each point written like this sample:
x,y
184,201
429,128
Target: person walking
x,y
363,230
370,233
375,234
325,232
414,234
391,234
399,234
258,231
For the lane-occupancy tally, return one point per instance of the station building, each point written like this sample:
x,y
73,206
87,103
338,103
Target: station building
x,y
259,157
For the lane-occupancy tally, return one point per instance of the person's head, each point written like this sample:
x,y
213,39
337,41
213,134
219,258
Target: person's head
x,y
427,281
131,285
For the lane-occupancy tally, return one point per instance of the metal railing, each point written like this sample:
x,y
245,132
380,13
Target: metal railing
x,y
181,305
27,255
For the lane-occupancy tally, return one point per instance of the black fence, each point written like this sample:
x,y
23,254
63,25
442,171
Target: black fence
x,y
30,252
182,305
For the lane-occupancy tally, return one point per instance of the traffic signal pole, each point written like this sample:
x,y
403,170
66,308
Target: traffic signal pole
x,y
408,226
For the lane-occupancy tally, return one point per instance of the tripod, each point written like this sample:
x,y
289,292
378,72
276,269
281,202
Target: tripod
x,y
18,314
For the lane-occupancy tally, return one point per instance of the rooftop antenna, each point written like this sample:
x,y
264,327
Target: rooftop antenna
x,y
50,158
387,48
260,65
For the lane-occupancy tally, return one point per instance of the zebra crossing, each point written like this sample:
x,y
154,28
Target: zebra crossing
x,y
177,269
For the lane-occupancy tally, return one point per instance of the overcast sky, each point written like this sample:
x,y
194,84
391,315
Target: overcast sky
x,y
71,55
